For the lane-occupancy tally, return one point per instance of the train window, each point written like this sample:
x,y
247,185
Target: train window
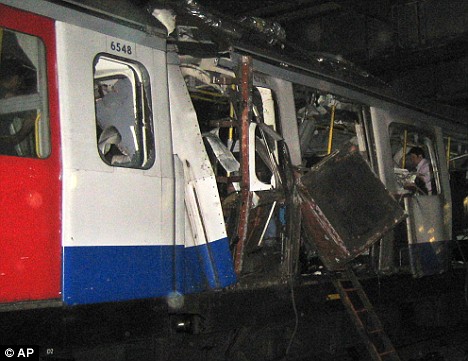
x,y
24,118
123,113
214,110
327,122
415,160
457,154
264,160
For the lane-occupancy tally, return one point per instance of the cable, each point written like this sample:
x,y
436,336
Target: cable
x,y
296,316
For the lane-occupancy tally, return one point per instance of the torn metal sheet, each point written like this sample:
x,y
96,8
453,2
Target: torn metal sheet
x,y
245,27
166,17
345,207
222,153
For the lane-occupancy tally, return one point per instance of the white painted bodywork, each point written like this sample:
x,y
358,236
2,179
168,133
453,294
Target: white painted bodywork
x,y
98,199
204,220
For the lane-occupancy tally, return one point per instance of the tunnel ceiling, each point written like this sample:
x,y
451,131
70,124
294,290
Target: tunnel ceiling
x,y
420,45
415,45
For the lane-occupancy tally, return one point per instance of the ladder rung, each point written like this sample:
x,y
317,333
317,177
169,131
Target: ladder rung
x,y
363,315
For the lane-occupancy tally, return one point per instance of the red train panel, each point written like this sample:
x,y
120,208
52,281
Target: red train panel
x,y
30,195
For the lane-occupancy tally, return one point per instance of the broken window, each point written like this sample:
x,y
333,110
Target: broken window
x,y
327,122
218,120
457,154
123,113
264,159
24,118
415,160
421,241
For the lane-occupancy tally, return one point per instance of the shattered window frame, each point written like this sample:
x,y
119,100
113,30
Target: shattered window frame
x,y
114,132
415,137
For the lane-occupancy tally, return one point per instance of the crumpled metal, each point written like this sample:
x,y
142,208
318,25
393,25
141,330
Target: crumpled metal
x,y
234,28
274,32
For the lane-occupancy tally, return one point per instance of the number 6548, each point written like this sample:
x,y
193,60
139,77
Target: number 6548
x,y
121,48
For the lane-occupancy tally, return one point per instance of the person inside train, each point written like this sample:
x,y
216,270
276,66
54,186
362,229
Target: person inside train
x,y
423,181
15,128
116,117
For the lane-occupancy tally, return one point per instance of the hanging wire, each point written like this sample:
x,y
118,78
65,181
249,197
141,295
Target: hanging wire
x,y
296,316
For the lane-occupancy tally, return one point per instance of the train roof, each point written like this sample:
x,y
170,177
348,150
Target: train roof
x,y
132,13
267,42
210,33
213,34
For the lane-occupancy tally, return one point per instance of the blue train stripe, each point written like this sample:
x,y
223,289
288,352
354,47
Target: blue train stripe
x,y
116,273
205,269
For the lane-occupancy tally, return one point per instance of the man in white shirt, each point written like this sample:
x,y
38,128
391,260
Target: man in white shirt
x,y
423,167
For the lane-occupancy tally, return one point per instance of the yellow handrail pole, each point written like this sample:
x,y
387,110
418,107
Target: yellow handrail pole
x,y
231,115
36,134
330,132
448,151
405,143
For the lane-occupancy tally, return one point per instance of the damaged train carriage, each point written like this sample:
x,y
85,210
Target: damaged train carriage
x,y
240,163
309,139
262,197
139,166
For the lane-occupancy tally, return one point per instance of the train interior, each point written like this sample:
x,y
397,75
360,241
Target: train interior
x,y
326,123
24,112
218,114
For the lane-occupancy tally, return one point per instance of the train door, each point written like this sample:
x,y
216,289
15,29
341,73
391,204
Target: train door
x,y
119,231
249,164
413,167
30,254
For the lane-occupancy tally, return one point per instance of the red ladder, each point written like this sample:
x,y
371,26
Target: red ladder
x,y
362,314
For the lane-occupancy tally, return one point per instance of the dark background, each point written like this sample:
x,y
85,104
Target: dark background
x,y
420,46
